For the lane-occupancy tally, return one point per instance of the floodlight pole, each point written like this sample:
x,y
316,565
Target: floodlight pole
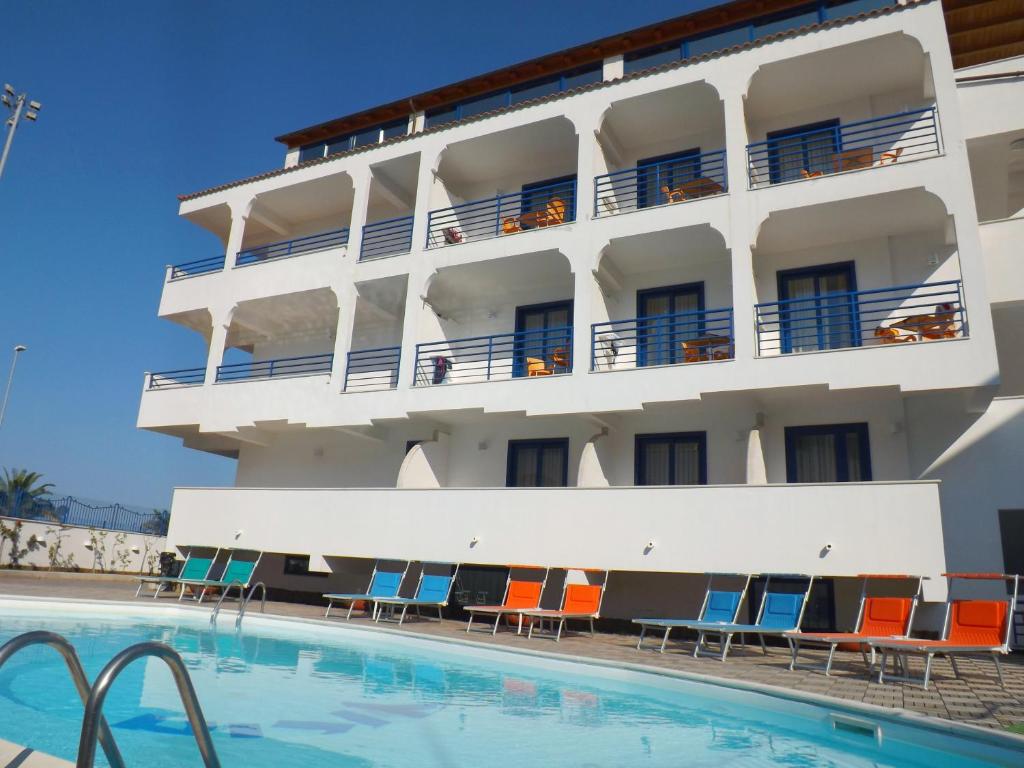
x,y
17,107
10,380
12,126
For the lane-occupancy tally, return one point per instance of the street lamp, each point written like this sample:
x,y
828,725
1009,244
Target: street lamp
x,y
10,379
15,102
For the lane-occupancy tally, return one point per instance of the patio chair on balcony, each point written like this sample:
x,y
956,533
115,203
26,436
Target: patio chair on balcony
x,y
580,602
383,583
673,195
940,325
710,347
810,174
520,595
853,159
719,606
194,568
554,213
878,618
890,157
432,591
892,335
536,366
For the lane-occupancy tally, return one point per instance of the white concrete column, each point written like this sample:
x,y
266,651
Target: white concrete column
x,y
239,216
417,287
421,210
757,473
218,338
347,297
584,286
586,138
361,180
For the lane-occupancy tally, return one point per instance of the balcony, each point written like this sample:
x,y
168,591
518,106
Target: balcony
x,y
669,339
372,369
283,367
185,377
502,356
199,267
680,179
538,207
334,238
842,320
389,237
838,147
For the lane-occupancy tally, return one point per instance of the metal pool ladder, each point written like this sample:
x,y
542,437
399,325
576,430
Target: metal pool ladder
x,y
94,725
243,600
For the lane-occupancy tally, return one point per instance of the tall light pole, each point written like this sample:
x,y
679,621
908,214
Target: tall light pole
x,y
15,102
10,379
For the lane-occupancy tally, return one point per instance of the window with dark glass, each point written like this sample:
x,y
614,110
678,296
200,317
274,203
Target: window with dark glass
x,y
538,463
397,128
543,337
789,20
441,116
536,89
311,152
298,565
718,41
828,453
657,177
483,104
576,78
666,317
551,196
366,137
652,57
678,458
818,308
802,151
838,9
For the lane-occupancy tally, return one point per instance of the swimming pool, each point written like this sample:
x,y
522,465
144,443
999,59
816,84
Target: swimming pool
x,y
285,693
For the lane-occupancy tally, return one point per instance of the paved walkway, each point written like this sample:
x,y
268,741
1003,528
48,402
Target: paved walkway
x,y
974,698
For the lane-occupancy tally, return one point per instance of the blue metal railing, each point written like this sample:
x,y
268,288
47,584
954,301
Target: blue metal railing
x,y
179,378
670,339
279,368
533,208
372,369
308,244
199,267
687,177
386,238
542,352
69,510
844,147
905,313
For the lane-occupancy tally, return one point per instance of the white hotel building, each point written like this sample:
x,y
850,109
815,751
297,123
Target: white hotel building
x,y
736,292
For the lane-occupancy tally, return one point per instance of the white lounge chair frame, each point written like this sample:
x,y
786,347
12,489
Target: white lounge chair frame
x,y
353,598
669,624
497,611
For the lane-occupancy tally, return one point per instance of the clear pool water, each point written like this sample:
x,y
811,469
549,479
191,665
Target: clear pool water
x,y
283,694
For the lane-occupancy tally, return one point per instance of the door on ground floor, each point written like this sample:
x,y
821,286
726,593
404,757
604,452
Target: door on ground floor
x,y
678,458
828,453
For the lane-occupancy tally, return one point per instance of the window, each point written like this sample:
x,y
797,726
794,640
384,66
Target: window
x,y
718,41
312,152
538,463
298,565
666,317
829,453
592,73
544,333
818,308
652,57
656,177
441,116
537,195
536,89
483,104
820,613
1011,531
397,128
805,148
788,20
671,459
838,9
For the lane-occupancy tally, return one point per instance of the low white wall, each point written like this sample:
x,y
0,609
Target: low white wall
x,y
1001,244
872,527
84,548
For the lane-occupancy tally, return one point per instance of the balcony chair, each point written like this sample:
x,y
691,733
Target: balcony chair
x,y
554,213
890,157
853,159
810,174
878,618
940,325
710,347
520,595
700,187
536,366
673,195
383,583
893,335
580,602
721,606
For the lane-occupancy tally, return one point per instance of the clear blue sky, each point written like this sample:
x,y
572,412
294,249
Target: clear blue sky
x,y
146,100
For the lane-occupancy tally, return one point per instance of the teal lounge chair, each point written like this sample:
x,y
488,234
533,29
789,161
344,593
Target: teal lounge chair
x,y
195,568
383,583
238,572
719,607
779,613
432,591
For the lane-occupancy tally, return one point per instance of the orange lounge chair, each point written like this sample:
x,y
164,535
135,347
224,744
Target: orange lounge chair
x,y
893,335
707,348
877,618
581,602
810,174
940,325
520,596
972,627
676,195
853,159
535,366
554,213
890,157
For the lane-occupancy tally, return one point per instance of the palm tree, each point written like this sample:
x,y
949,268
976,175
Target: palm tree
x,y
23,492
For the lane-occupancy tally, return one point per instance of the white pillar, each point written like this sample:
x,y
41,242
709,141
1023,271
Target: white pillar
x,y
757,474
239,216
347,297
360,204
415,289
591,472
218,338
421,206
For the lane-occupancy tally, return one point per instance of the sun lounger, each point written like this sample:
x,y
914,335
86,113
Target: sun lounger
x,y
520,595
432,591
779,612
878,618
581,601
719,606
972,627
383,583
193,568
236,572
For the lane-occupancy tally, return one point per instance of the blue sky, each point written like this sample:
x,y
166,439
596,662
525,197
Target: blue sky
x,y
143,101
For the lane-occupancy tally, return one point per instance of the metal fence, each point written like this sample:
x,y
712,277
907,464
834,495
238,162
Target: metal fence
x,y
675,180
198,267
308,244
180,378
372,369
279,368
386,238
670,339
70,510
541,352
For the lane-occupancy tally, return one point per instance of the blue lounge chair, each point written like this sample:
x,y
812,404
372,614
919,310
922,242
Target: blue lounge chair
x,y
779,613
383,583
194,568
719,607
432,591
236,572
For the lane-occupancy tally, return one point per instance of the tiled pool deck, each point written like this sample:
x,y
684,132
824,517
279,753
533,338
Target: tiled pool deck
x,y
975,698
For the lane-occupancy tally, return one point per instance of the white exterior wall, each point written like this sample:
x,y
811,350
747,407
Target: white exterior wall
x,y
91,549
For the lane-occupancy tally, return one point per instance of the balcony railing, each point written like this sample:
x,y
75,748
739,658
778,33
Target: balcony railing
x,y
275,369
181,378
688,177
308,244
899,315
671,339
199,267
538,353
386,238
509,214
372,369
844,147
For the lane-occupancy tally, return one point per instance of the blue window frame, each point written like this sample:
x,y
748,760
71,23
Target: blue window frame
x,y
537,194
660,333
809,148
818,308
677,458
656,174
828,453
543,333
538,463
